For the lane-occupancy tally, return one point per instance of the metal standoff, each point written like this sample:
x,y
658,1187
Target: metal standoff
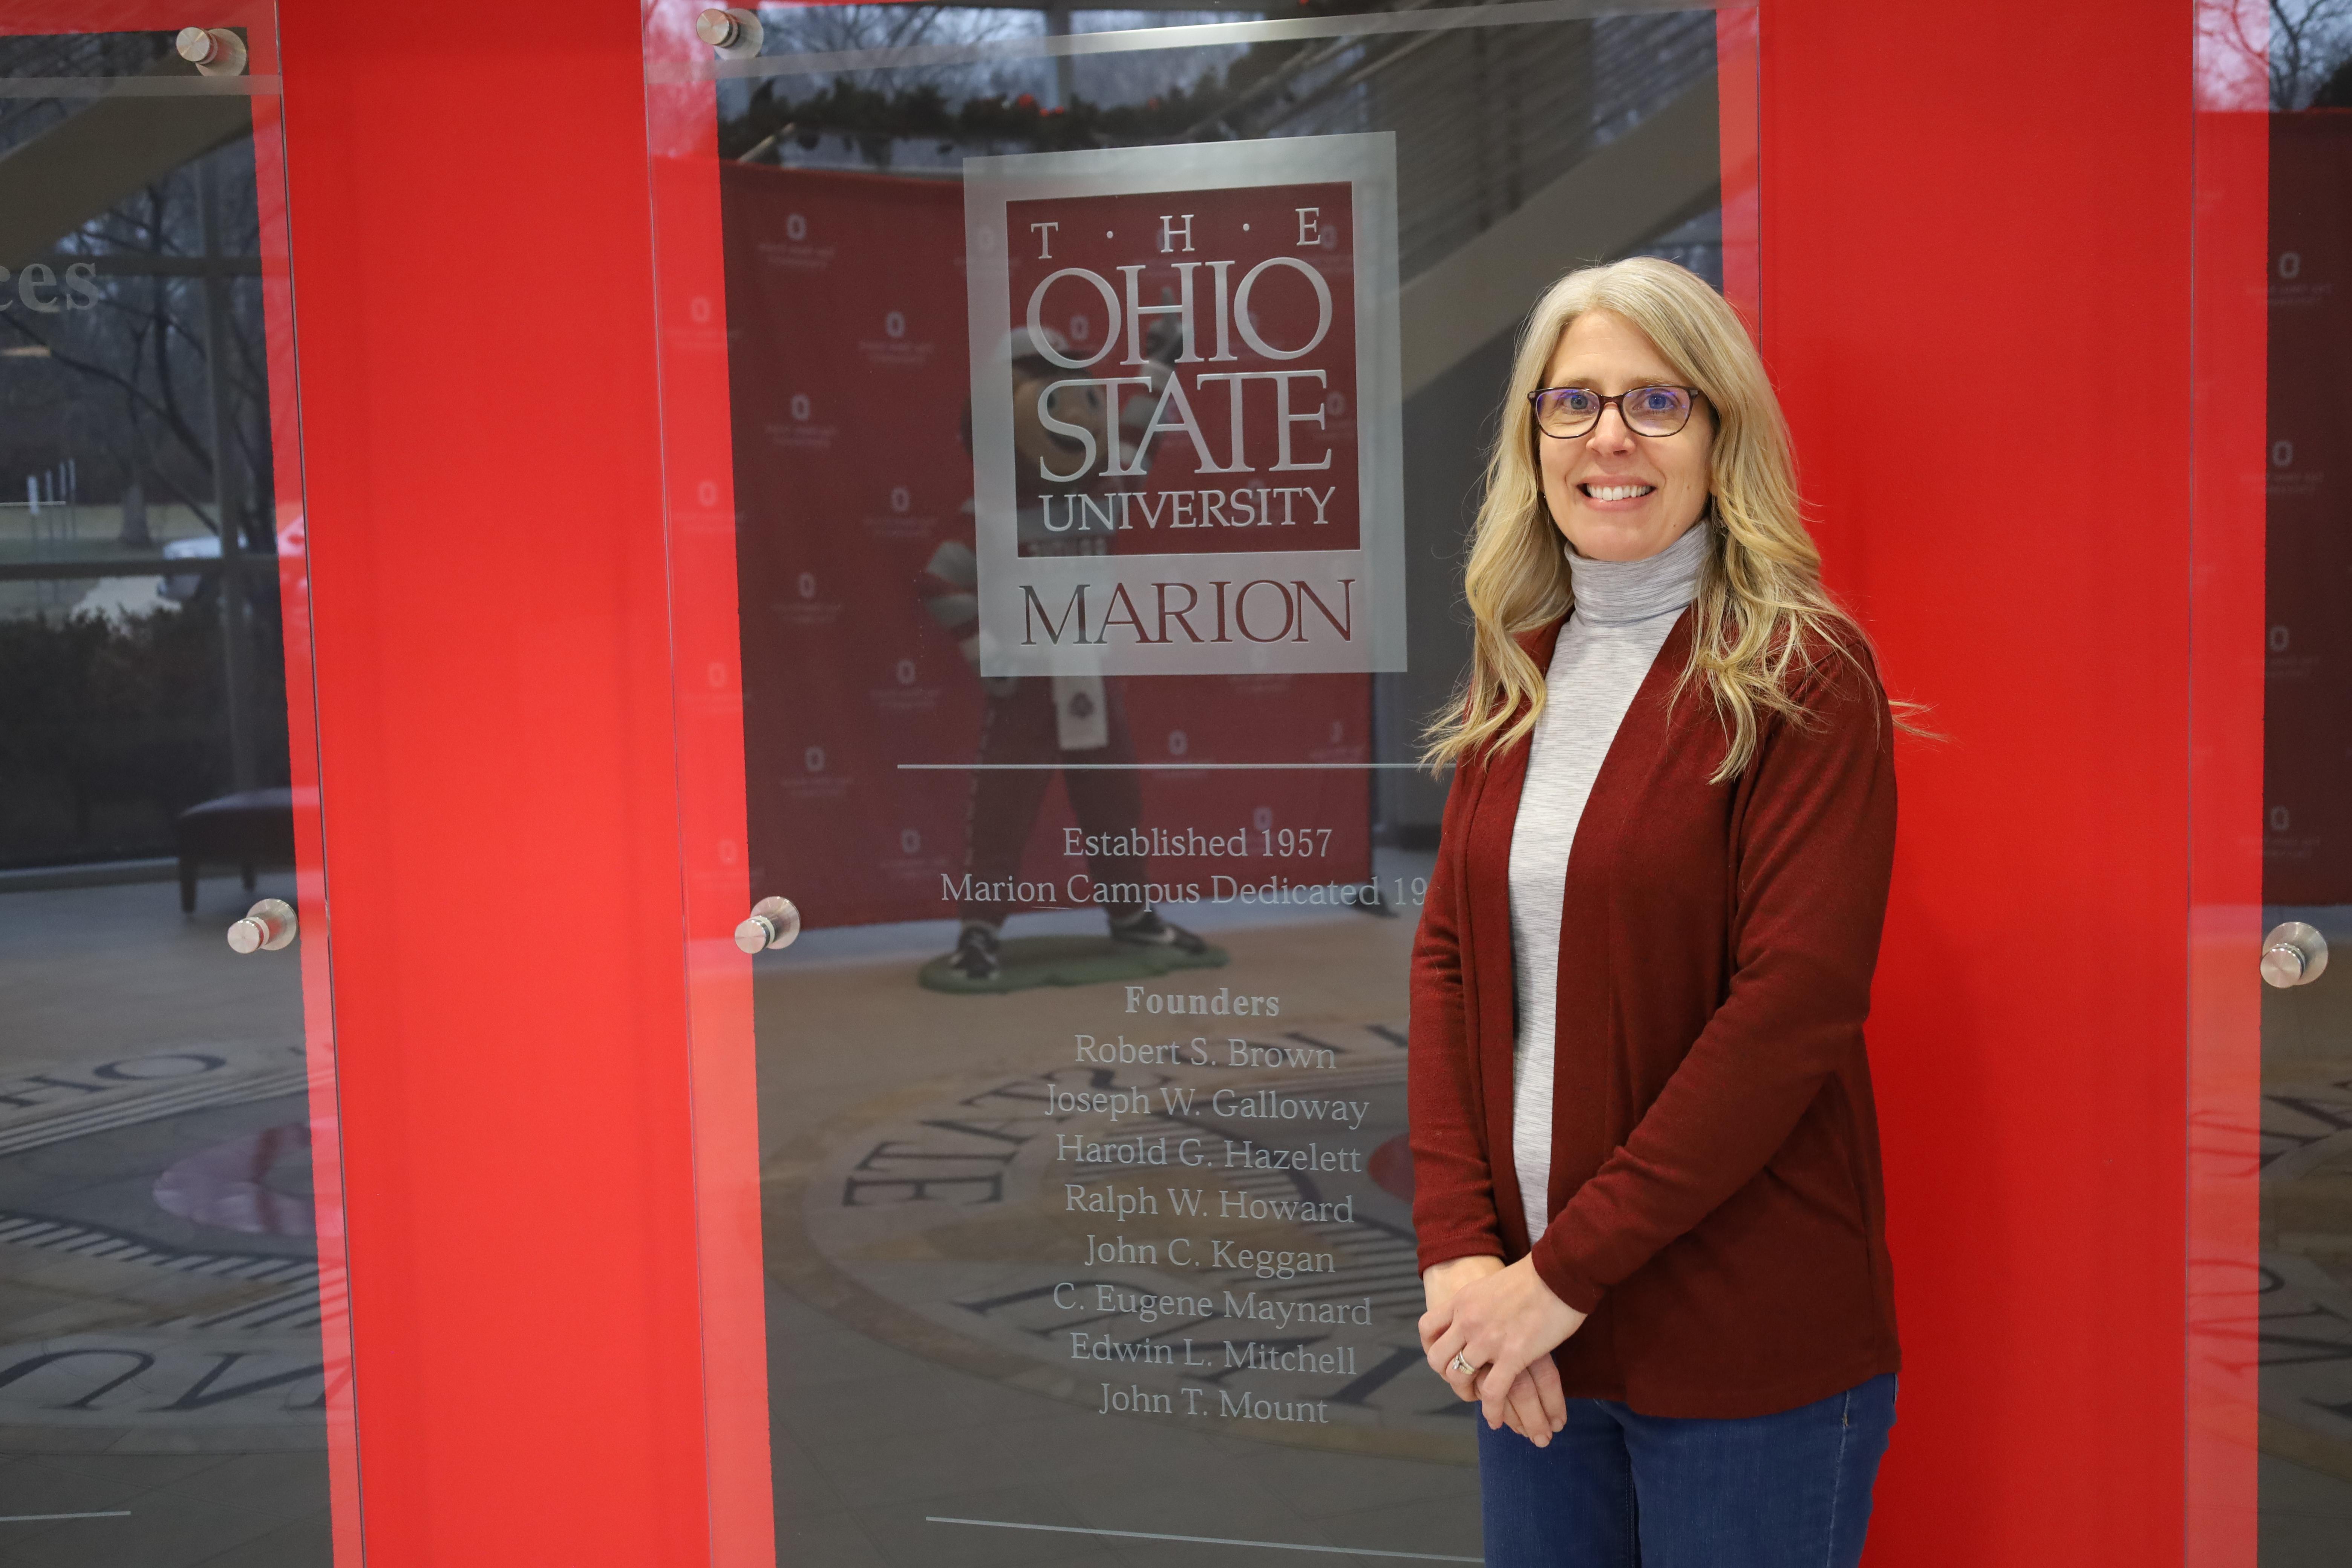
x,y
734,32
269,923
773,923
214,51
2293,954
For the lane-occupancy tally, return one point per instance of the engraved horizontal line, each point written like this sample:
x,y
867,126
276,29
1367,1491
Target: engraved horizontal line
x,y
37,1518
1204,1540
1138,767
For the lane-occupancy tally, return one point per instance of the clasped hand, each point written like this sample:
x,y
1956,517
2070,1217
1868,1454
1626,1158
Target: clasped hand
x,y
1504,1321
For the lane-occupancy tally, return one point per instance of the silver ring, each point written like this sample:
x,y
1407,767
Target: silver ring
x,y
1460,1364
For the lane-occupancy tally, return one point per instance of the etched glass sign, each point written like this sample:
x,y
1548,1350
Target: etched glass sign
x,y
1183,355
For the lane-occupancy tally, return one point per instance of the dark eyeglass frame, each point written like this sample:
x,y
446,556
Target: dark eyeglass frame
x,y
1535,407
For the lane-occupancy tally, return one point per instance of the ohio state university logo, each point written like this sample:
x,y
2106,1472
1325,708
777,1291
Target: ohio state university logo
x,y
1186,430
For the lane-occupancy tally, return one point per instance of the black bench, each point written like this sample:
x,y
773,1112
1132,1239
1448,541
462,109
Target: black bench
x,y
252,828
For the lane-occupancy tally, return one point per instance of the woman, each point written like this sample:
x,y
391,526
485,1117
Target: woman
x,y
1647,1165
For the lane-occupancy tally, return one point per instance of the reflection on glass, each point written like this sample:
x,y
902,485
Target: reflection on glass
x,y
2305,1488
1086,1199
163,1387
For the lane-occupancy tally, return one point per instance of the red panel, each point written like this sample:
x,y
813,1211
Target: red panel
x,y
309,853
474,296
2226,764
253,18
1976,286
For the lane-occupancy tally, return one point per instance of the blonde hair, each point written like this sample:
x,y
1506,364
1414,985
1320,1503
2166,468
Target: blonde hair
x,y
1763,620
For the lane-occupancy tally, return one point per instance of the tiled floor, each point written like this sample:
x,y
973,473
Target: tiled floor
x,y
2307,1517
874,1440
2306,1253
113,989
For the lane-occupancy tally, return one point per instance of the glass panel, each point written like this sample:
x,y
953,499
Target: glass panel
x,y
172,1362
2306,1027
2271,1198
1099,1232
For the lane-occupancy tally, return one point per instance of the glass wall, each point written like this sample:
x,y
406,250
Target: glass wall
x,y
174,1386
2306,1023
1074,419
2271,1197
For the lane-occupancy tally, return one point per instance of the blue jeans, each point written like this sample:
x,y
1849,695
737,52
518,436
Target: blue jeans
x,y
1616,1489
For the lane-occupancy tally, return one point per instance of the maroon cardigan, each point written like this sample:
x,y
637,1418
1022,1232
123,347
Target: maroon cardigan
x,y
1716,1202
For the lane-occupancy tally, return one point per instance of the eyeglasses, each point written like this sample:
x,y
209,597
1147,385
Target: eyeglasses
x,y
1567,412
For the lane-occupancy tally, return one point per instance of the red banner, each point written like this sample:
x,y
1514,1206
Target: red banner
x,y
863,716
2307,721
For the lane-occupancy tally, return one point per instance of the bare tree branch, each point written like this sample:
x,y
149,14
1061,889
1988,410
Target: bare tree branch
x,y
130,389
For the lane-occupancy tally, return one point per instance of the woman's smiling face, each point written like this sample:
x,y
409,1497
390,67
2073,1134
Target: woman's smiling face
x,y
1617,496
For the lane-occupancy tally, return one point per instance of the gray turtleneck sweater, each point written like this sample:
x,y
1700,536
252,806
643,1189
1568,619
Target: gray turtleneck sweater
x,y
1624,609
